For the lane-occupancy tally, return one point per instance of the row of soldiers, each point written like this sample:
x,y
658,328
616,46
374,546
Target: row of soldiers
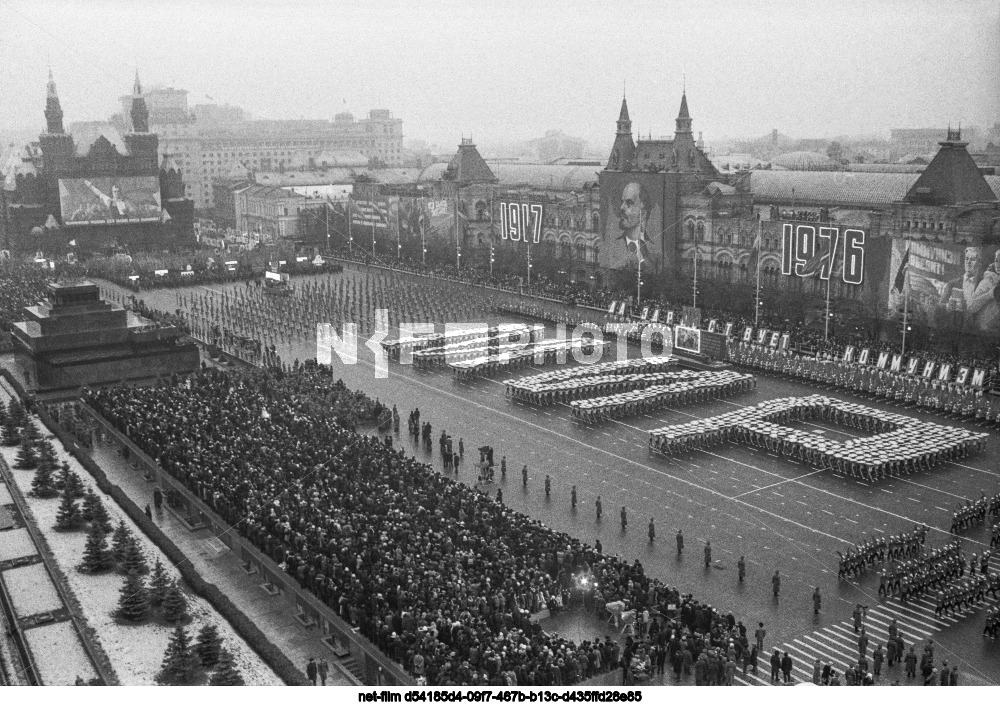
x,y
966,594
893,547
974,513
913,577
945,397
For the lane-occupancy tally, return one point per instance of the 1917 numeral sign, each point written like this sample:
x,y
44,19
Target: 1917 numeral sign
x,y
521,222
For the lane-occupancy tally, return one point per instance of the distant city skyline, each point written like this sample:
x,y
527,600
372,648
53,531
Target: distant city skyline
x,y
449,69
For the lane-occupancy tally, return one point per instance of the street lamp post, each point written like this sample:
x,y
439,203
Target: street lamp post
x,y
638,283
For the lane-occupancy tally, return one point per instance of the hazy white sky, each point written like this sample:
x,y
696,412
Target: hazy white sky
x,y
513,69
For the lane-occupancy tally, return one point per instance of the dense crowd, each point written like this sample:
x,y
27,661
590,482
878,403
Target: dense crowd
x,y
336,510
21,285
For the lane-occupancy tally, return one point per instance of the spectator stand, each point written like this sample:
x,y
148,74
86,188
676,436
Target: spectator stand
x,y
376,669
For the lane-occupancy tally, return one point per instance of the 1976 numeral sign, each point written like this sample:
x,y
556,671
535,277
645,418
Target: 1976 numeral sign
x,y
800,243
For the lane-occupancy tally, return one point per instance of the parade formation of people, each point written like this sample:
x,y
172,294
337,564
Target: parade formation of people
x,y
861,557
903,445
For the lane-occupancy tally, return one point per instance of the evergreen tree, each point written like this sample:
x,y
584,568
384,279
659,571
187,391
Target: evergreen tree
x,y
47,455
159,582
179,664
134,561
174,604
90,499
68,517
96,556
100,516
208,645
133,601
119,542
74,484
227,674
30,432
11,435
64,472
27,457
42,485
3,412
17,413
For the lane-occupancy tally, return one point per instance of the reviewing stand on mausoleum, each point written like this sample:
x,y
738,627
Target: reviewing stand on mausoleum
x,y
75,338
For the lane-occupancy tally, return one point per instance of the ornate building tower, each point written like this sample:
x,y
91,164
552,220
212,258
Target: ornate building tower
x,y
623,153
142,144
53,111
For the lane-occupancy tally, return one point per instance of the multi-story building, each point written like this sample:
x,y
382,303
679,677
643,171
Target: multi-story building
x,y
271,212
208,143
94,187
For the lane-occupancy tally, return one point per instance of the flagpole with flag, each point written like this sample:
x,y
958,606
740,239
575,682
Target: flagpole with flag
x,y
902,283
829,280
756,254
350,221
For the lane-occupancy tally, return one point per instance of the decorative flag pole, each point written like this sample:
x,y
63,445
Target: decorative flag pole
x,y
756,301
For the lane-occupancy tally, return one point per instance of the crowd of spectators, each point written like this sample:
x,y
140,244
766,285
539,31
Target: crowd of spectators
x,y
441,577
21,284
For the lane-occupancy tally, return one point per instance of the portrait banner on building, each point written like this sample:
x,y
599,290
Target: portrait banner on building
x,y
633,222
103,200
950,287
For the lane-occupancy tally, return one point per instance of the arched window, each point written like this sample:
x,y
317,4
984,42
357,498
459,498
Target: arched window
x,y
595,220
701,231
691,230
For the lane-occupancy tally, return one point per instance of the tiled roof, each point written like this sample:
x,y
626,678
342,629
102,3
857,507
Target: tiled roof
x,y
831,188
952,177
828,188
469,167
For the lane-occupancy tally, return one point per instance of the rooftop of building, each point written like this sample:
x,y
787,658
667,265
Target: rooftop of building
x,y
836,188
550,177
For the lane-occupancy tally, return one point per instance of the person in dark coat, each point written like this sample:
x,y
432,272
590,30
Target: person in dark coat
x,y
776,582
157,498
708,553
786,667
775,665
817,601
311,670
680,541
826,674
911,663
